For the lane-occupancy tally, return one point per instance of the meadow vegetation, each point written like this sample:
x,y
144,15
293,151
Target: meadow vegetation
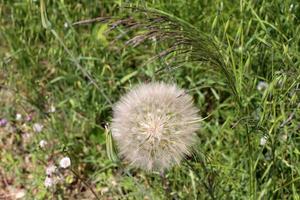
x,y
58,85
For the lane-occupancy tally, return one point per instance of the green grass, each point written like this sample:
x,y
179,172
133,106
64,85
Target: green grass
x,y
259,41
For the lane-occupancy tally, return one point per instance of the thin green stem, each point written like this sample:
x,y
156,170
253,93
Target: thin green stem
x,y
47,25
209,189
85,183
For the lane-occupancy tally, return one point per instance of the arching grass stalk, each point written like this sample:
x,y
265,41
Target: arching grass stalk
x,y
183,42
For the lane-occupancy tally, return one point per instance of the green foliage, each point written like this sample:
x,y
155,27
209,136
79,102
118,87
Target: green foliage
x,y
79,71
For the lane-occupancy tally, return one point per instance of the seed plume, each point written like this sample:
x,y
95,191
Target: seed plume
x,y
154,125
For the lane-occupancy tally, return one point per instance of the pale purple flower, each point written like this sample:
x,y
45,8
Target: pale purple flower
x,y
3,122
37,127
49,182
155,125
51,169
26,136
65,162
29,117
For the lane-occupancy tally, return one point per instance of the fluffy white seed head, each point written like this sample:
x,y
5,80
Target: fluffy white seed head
x,y
155,125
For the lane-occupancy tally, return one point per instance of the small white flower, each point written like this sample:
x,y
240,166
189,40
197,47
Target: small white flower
x,y
153,39
37,127
114,183
66,25
52,109
104,190
43,144
262,86
18,117
20,194
284,137
65,162
50,170
26,136
263,141
48,182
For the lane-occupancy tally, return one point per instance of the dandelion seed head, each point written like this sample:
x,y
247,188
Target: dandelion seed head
x,y
155,125
65,162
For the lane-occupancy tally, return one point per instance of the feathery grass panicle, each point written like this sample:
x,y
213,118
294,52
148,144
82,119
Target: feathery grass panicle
x,y
155,125
182,42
